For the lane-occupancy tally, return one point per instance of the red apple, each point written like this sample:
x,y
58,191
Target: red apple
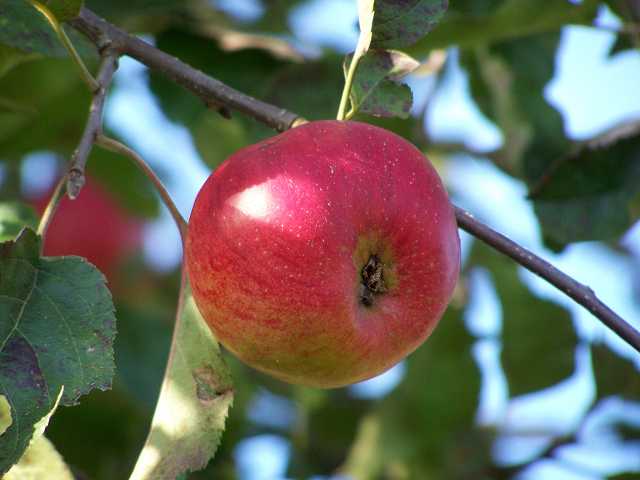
x,y
323,255
93,226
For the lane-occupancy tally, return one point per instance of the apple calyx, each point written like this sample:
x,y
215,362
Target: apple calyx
x,y
373,280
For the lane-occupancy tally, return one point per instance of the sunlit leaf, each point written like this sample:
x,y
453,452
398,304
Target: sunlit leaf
x,y
40,461
195,397
14,216
365,21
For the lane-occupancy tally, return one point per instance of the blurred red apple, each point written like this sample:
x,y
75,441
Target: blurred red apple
x,y
324,255
93,226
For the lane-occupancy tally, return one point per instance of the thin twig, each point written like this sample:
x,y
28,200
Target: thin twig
x,y
577,291
212,91
93,127
117,147
50,210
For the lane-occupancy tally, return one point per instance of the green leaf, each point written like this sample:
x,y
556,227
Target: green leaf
x,y
423,427
144,336
14,216
194,400
41,458
238,69
24,28
531,328
230,136
11,57
507,82
59,333
119,11
57,104
63,9
588,195
401,23
376,90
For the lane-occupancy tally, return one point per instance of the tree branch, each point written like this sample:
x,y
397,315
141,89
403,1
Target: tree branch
x,y
577,291
214,92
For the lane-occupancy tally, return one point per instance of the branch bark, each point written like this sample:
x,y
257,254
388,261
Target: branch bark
x,y
93,127
214,92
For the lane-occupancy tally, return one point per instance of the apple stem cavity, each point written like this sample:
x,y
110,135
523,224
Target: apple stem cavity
x,y
373,282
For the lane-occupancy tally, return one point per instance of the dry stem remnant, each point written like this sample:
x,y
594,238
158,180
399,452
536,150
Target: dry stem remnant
x,y
373,282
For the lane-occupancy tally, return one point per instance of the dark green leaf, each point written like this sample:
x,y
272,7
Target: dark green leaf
x,y
10,57
100,437
472,23
531,328
57,331
375,89
136,194
290,88
245,70
401,23
57,103
587,195
614,375
426,423
123,10
623,43
507,81
624,476
389,99
24,28
63,9
14,216
194,401
144,336
216,138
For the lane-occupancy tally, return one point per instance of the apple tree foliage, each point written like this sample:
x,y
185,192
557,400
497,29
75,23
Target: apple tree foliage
x,y
57,320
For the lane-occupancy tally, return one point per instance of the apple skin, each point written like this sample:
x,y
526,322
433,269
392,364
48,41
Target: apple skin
x,y
281,233
92,226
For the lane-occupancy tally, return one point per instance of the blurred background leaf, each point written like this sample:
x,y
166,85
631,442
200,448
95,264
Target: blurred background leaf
x,y
532,328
